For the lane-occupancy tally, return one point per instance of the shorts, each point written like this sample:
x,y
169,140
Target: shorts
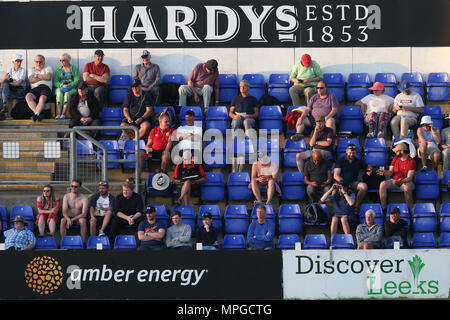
x,y
47,217
41,90
430,150
157,154
393,186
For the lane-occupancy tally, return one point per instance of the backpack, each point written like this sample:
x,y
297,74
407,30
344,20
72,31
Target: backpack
x,y
21,111
314,213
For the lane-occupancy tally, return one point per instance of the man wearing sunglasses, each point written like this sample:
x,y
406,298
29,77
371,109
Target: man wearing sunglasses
x,y
74,211
101,209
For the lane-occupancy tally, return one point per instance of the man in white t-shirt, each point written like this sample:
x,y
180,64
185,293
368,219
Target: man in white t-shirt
x,y
189,137
101,208
40,77
14,82
407,106
377,108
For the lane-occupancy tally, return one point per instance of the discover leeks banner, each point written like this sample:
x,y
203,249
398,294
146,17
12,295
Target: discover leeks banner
x,y
366,274
228,23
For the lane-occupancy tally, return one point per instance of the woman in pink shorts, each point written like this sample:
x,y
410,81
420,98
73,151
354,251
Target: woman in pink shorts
x,y
48,208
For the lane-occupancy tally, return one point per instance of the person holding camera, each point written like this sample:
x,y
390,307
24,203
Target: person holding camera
x,y
343,207
137,109
14,82
429,141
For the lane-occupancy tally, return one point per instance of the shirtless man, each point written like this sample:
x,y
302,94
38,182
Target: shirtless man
x,y
75,209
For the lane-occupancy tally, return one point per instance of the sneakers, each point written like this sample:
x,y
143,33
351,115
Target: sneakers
x,y
296,137
40,117
380,135
101,233
370,135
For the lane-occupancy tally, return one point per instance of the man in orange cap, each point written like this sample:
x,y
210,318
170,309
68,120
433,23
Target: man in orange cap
x,y
305,75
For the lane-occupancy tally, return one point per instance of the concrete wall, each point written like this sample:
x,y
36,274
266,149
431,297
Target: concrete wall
x,y
256,60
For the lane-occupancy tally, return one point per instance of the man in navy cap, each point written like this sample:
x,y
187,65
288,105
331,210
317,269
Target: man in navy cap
x,y
150,77
407,106
203,81
96,74
150,232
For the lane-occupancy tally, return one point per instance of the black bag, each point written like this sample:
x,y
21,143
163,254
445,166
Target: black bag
x,y
21,111
314,213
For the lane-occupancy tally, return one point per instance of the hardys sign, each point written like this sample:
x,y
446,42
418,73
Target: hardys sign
x,y
113,274
230,23
323,274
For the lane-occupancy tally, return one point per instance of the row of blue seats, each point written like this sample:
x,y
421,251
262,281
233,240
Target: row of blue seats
x,y
270,118
238,241
356,87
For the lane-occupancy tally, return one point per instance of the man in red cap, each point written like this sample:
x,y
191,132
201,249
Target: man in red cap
x,y
305,75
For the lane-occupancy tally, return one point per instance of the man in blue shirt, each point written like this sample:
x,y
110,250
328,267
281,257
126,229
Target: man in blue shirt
x,y
150,233
244,108
19,237
260,232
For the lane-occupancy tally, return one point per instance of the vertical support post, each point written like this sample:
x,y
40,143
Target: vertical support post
x,y
73,156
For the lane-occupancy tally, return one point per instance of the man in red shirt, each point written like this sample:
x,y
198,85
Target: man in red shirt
x,y
190,175
96,74
402,170
159,142
204,79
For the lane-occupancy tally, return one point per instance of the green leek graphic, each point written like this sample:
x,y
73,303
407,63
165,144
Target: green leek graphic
x,y
416,265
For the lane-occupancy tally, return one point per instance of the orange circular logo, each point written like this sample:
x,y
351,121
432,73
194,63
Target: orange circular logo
x,y
43,275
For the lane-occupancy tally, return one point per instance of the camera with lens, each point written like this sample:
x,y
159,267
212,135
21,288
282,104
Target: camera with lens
x,y
337,186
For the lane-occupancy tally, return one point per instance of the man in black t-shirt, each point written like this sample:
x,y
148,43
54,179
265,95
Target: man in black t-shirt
x,y
317,176
150,233
395,229
137,109
244,108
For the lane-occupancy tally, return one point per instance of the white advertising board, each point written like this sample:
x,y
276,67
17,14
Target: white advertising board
x,y
366,274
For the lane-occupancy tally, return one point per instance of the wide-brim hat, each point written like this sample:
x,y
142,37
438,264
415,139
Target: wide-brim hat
x,y
400,146
160,181
426,120
20,219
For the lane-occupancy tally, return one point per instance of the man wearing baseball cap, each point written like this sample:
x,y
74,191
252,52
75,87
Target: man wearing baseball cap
x,y
19,237
150,232
150,77
408,105
14,82
395,230
401,173
101,209
376,108
304,74
203,81
96,74
429,140
207,233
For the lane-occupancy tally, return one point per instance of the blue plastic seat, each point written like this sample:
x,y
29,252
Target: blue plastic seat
x,y
214,209
444,217
213,189
389,80
237,186
198,115
111,116
278,86
342,147
234,241
375,152
435,112
236,219
228,87
423,240
336,84
342,241
118,88
243,148
129,152
125,242
437,86
424,217
290,219
187,215
315,241
291,148
445,181
113,152
4,218
293,186
358,85
351,119
85,148
214,154
25,211
427,185
217,118
404,212
379,217
271,147
45,243
416,80
287,241
162,217
444,240
270,118
178,78
257,84
72,242
94,240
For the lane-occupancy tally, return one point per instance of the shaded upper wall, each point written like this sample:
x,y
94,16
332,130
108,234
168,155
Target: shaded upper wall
x,y
255,60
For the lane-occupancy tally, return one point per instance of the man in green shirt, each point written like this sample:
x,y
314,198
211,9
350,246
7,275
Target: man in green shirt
x,y
304,74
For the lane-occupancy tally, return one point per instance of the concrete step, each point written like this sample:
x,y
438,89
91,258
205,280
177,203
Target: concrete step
x,y
28,176
8,166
